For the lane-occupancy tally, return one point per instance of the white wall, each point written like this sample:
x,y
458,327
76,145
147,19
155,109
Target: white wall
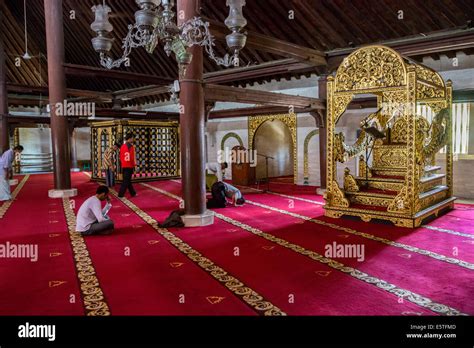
x,y
38,141
82,137
35,140
217,130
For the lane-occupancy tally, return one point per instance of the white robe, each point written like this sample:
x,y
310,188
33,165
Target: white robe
x,y
216,169
5,164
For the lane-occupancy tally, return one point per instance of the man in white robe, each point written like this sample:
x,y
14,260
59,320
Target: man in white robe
x,y
217,169
6,163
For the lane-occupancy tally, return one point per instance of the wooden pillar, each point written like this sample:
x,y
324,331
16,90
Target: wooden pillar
x,y
53,13
53,10
4,138
192,123
322,94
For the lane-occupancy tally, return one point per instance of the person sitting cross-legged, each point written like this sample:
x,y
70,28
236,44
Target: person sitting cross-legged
x,y
91,219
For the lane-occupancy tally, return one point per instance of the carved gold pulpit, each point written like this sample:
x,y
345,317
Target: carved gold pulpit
x,y
399,181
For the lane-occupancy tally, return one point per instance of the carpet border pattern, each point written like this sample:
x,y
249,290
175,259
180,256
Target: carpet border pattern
x,y
92,294
249,296
379,283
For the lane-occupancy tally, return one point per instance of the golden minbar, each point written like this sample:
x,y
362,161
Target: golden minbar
x,y
156,147
398,180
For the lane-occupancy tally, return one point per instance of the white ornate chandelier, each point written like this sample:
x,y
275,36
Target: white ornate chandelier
x,y
155,23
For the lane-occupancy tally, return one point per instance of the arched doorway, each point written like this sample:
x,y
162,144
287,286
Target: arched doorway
x,y
311,175
273,138
229,142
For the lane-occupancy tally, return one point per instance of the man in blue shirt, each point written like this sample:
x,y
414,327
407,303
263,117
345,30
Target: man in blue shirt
x,y
234,194
6,162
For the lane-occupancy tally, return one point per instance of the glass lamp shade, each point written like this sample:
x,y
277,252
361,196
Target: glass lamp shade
x,y
169,3
102,44
148,4
147,19
236,20
182,55
101,23
236,41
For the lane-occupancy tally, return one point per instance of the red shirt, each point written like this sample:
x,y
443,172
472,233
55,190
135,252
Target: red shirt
x,y
127,156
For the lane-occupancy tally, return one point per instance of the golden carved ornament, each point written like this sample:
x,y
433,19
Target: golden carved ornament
x,y
340,105
350,184
390,156
430,200
428,75
438,136
335,196
371,200
402,203
364,170
399,130
436,106
428,92
399,86
371,67
386,185
393,104
339,151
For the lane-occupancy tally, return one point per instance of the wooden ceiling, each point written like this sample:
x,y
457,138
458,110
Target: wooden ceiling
x,y
321,25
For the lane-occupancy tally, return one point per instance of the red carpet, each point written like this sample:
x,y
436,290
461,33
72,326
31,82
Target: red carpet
x,y
441,281
150,280
48,286
267,220
142,272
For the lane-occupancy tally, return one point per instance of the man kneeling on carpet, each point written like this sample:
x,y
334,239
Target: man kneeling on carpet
x,y
91,219
221,191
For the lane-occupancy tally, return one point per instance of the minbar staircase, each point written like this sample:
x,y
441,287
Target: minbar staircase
x,y
372,192
381,188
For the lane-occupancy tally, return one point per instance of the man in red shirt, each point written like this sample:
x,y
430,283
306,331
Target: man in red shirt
x,y
128,162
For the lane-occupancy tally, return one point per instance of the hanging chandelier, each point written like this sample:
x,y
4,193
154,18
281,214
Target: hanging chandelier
x,y
155,23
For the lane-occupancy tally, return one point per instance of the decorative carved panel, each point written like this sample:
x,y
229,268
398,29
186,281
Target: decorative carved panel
x,y
371,67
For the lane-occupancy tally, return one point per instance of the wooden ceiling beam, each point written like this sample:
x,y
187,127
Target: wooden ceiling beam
x,y
136,114
219,93
254,71
283,66
93,72
140,92
272,45
456,40
255,111
356,104
71,92
103,113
